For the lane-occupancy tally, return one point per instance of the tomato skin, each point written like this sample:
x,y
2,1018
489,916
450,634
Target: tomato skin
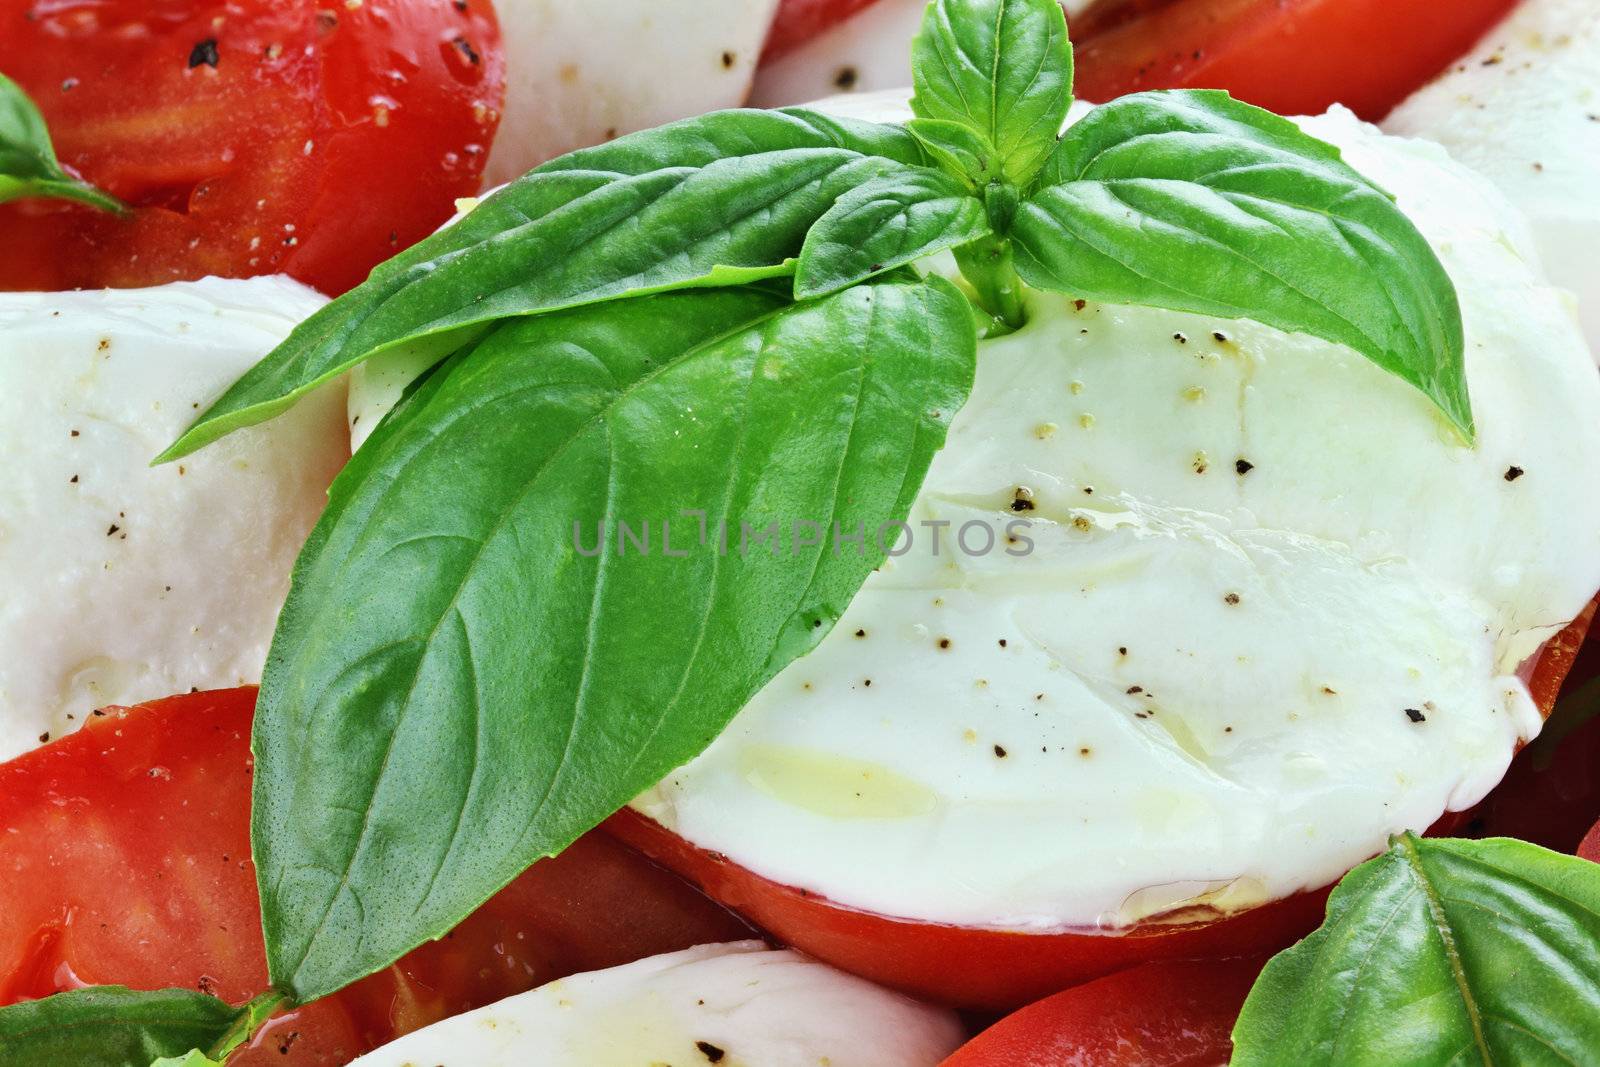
x,y
1171,1014
797,21
999,969
324,139
1589,847
1295,57
966,967
124,858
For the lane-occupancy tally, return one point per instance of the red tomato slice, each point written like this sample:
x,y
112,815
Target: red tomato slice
x,y
1170,1014
1294,57
1001,969
254,137
797,21
124,857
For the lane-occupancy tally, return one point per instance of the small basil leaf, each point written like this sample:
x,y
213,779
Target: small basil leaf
x,y
722,199
1439,952
112,1026
1003,69
887,223
1195,201
959,151
468,674
28,164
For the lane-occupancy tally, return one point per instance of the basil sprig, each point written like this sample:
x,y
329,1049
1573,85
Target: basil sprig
x,y
1439,952
28,164
113,1026
715,328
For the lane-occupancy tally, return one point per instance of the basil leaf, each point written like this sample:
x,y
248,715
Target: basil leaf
x,y
722,199
112,1026
959,151
455,690
1002,68
887,223
28,164
1439,952
1195,201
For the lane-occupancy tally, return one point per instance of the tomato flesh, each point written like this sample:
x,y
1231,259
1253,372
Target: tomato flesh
x,y
252,137
1295,57
1169,1014
124,858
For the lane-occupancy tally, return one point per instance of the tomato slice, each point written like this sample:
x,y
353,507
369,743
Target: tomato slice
x,y
1589,847
1002,969
797,21
124,857
1169,1014
1294,57
254,137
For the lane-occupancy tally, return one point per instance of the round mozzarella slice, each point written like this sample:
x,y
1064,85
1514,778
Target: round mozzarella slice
x,y
737,1005
125,582
581,73
1264,609
1523,108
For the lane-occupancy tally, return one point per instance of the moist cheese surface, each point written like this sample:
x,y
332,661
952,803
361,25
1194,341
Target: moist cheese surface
x,y
122,582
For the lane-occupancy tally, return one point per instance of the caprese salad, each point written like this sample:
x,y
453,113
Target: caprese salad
x,y
1075,547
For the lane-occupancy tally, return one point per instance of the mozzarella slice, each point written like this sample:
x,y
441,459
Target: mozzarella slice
x,y
578,74
736,1005
1273,610
124,582
867,52
1523,108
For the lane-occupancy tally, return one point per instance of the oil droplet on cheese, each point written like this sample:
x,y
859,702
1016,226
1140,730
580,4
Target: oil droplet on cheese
x,y
834,786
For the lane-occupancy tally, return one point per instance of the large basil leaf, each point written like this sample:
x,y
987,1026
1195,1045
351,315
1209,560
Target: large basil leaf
x,y
716,200
113,1026
886,223
1194,201
28,164
1002,68
456,690
1439,952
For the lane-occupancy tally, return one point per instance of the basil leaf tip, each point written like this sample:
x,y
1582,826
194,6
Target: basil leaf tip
x,y
28,163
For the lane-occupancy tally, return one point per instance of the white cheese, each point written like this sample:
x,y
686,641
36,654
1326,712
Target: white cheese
x,y
1274,612
737,1005
1523,108
122,582
581,73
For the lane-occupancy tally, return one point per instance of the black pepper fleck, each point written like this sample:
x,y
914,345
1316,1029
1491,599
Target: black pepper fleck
x,y
204,52
999,751
728,59
1415,715
711,1052
1243,466
1513,473
846,78
465,48
861,633
1231,598
944,642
